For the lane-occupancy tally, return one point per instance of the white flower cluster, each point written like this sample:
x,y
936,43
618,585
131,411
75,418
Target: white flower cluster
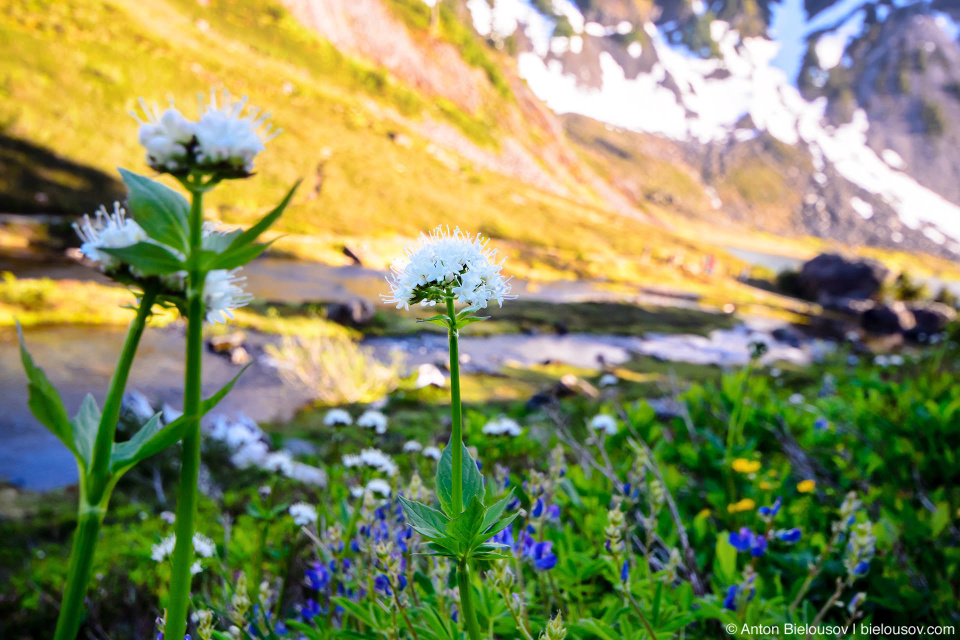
x,y
502,426
432,452
337,417
373,458
895,360
412,446
605,423
443,260
222,290
248,448
608,380
373,419
222,138
107,230
203,545
376,485
303,514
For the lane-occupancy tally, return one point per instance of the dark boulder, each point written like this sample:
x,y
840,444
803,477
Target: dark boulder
x,y
886,319
831,276
930,318
355,313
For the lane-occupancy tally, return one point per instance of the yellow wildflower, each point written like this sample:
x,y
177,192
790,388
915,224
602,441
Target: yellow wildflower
x,y
806,486
743,505
742,465
766,485
704,513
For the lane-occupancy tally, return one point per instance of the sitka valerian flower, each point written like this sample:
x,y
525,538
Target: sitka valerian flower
x,y
107,230
605,423
502,426
223,141
222,294
372,419
303,514
444,264
432,452
337,417
412,446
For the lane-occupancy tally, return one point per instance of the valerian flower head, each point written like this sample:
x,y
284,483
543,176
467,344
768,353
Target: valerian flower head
x,y
224,140
605,423
336,417
107,231
303,514
448,264
373,419
222,294
166,136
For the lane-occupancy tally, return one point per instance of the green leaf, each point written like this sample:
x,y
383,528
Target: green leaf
x,y
427,522
250,235
465,527
148,258
496,510
219,242
500,526
357,611
44,400
472,480
725,560
153,438
86,424
462,322
162,212
237,256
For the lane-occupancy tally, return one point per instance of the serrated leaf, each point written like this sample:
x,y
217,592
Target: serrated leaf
x,y
86,424
424,520
152,438
149,258
162,212
250,235
465,527
219,242
472,480
44,400
496,510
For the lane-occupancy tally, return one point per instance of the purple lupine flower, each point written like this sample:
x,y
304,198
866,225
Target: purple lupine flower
x,y
771,511
862,568
540,553
310,610
382,584
821,424
790,536
625,572
537,508
318,577
742,540
730,602
759,546
553,512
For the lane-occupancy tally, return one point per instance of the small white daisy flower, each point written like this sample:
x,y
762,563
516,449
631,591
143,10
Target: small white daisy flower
x,y
432,452
336,417
303,514
372,419
412,446
605,423
108,231
459,262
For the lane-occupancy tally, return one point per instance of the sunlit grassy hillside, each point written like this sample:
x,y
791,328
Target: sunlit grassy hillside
x,y
79,68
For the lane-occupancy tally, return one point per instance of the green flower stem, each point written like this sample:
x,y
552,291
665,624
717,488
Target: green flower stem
x,y
466,601
95,486
456,435
190,463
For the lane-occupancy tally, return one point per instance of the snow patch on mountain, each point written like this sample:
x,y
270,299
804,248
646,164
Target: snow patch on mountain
x,y
687,97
